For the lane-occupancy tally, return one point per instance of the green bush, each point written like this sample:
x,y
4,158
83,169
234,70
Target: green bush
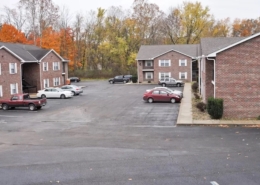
x,y
201,106
215,107
134,79
258,118
195,87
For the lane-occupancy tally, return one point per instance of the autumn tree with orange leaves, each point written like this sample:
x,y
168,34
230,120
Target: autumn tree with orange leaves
x,y
8,33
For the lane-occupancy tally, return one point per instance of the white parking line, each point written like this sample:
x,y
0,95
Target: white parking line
x,y
155,126
10,116
214,183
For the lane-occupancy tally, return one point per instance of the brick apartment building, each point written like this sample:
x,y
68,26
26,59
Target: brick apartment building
x,y
227,68
27,68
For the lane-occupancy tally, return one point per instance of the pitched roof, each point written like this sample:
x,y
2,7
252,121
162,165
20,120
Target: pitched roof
x,y
28,53
149,52
210,45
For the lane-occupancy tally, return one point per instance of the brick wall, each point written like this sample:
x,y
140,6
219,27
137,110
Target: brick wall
x,y
50,74
238,79
6,78
209,67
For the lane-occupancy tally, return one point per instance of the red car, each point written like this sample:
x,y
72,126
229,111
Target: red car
x,y
161,95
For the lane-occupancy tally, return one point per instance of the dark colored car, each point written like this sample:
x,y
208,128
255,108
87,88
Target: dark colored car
x,y
119,78
74,79
129,77
160,95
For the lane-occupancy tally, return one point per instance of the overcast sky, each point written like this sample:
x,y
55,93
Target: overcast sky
x,y
219,8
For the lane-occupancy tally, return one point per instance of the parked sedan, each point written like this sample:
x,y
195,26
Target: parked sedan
x,y
72,88
179,93
161,95
54,92
74,79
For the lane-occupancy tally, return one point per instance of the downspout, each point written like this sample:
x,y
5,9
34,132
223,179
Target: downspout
x,y
214,82
199,81
40,75
21,77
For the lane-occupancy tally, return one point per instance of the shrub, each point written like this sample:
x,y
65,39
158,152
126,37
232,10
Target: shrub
x,y
258,118
195,87
134,79
215,107
201,106
196,96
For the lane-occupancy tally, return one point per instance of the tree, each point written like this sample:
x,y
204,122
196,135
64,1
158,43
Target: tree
x,y
8,33
246,27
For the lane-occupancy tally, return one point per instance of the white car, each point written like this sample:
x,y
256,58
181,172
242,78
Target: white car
x,y
179,93
54,92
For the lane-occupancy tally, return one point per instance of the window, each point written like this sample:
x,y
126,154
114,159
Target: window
x,y
56,81
45,66
56,66
148,63
148,75
164,63
14,88
183,75
163,92
45,83
156,92
163,76
182,62
1,91
12,68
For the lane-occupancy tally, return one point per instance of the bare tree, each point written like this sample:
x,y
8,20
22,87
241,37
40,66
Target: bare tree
x,y
14,17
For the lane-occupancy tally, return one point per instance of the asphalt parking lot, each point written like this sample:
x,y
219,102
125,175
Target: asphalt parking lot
x,y
109,136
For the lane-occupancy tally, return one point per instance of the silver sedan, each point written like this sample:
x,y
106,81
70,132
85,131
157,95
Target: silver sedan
x,y
76,90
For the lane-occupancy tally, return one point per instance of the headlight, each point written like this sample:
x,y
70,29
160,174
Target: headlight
x,y
39,102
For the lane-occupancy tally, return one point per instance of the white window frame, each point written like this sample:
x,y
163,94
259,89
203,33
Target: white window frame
x,y
46,83
148,62
166,75
1,91
182,73
12,68
182,62
162,63
150,74
56,66
14,87
56,81
45,66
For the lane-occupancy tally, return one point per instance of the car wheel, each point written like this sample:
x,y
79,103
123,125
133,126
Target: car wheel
x,y
173,100
111,82
178,85
43,96
12,108
164,85
124,81
5,107
62,96
39,107
150,100
32,107
73,93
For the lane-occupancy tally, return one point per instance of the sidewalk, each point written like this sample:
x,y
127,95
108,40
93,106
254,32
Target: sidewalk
x,y
185,113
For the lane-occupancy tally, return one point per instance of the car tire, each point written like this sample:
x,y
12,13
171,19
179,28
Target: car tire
x,y
111,82
62,96
124,81
32,107
39,107
173,100
43,96
178,85
5,107
74,94
164,85
150,100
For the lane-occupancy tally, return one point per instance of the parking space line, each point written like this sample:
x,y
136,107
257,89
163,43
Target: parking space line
x,y
214,183
155,126
10,116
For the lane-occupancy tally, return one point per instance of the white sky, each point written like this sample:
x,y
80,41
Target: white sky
x,y
219,8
